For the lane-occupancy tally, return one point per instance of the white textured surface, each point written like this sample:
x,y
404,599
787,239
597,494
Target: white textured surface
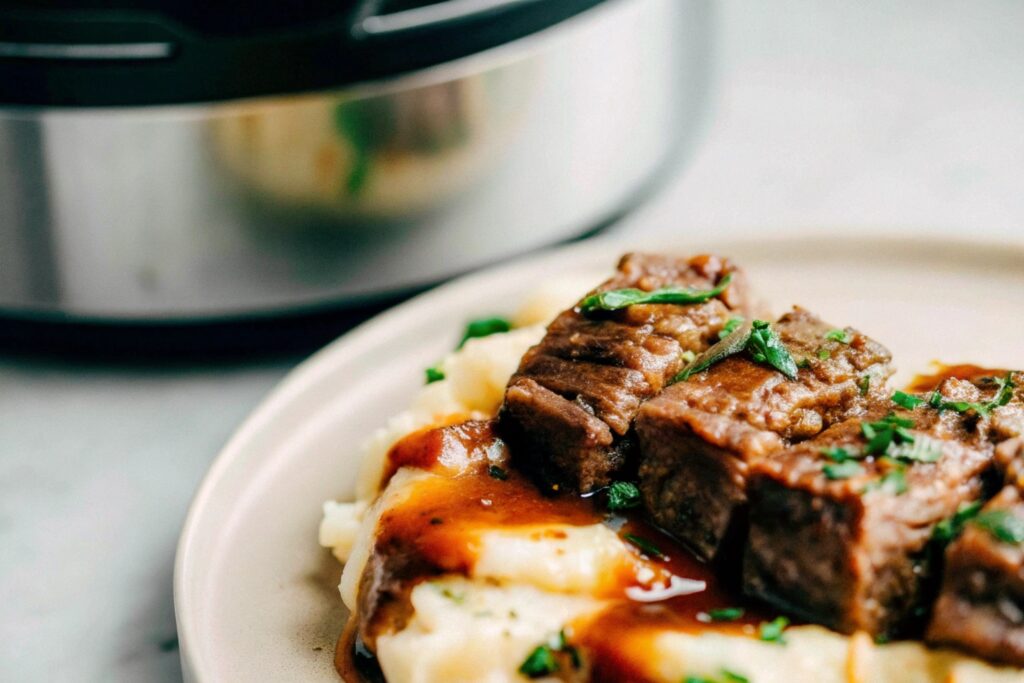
x,y
905,116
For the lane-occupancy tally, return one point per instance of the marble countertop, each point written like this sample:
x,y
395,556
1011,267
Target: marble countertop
x,y
900,117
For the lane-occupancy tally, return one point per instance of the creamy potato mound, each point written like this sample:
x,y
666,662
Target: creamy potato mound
x,y
526,586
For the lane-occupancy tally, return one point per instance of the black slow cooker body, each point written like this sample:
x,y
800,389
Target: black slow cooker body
x,y
90,53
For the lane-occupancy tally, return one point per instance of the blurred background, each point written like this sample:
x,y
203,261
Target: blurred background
x,y
192,200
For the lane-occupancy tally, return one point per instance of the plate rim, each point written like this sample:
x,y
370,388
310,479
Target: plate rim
x,y
290,387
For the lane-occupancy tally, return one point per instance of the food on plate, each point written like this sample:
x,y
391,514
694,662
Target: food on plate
x,y
981,604
700,437
569,407
662,485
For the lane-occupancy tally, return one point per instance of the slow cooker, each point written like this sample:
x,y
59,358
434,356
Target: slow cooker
x,y
174,160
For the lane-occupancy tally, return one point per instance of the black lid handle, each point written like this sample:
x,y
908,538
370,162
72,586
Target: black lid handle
x,y
374,21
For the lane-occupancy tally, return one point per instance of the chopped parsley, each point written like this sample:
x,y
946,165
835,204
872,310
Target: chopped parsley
x,y
730,327
1002,525
948,529
774,631
724,676
864,385
615,299
894,481
841,336
484,327
766,347
540,662
842,470
889,431
939,402
759,340
908,401
645,546
623,495
725,614
434,374
824,354
497,473
840,454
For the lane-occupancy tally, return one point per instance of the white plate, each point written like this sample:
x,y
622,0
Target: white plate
x,y
255,596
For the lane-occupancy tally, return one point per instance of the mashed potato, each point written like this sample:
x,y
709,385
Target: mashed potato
x,y
526,585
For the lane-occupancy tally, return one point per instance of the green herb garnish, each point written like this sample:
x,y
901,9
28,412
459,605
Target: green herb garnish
x,y
540,662
497,473
725,613
884,433
434,374
908,401
842,470
766,347
759,340
724,676
864,385
774,631
824,354
484,327
893,481
730,327
840,454
645,546
841,336
939,402
1002,525
948,529
623,495
615,299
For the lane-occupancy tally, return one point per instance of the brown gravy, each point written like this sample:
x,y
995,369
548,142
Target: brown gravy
x,y
923,383
477,488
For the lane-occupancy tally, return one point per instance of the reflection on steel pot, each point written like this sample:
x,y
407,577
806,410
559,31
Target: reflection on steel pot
x,y
199,174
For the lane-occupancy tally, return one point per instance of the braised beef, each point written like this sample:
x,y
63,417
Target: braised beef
x,y
981,605
700,436
569,408
843,539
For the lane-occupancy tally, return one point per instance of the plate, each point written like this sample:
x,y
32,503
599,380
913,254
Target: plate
x,y
256,598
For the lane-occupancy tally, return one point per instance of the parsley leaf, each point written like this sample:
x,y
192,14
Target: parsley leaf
x,y
840,454
540,662
645,546
773,631
1003,525
730,326
434,374
759,340
908,401
725,676
484,327
893,481
881,435
725,613
864,385
766,347
615,299
948,529
623,495
842,470
841,336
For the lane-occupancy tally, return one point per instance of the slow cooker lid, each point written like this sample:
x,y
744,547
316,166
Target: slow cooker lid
x,y
145,52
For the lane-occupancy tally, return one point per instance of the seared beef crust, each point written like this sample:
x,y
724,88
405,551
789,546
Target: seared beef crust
x,y
699,437
569,408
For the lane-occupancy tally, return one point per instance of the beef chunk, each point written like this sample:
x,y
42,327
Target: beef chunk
x,y
847,544
699,437
568,410
981,606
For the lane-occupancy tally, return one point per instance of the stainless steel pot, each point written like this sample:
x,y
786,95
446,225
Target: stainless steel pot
x,y
261,205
